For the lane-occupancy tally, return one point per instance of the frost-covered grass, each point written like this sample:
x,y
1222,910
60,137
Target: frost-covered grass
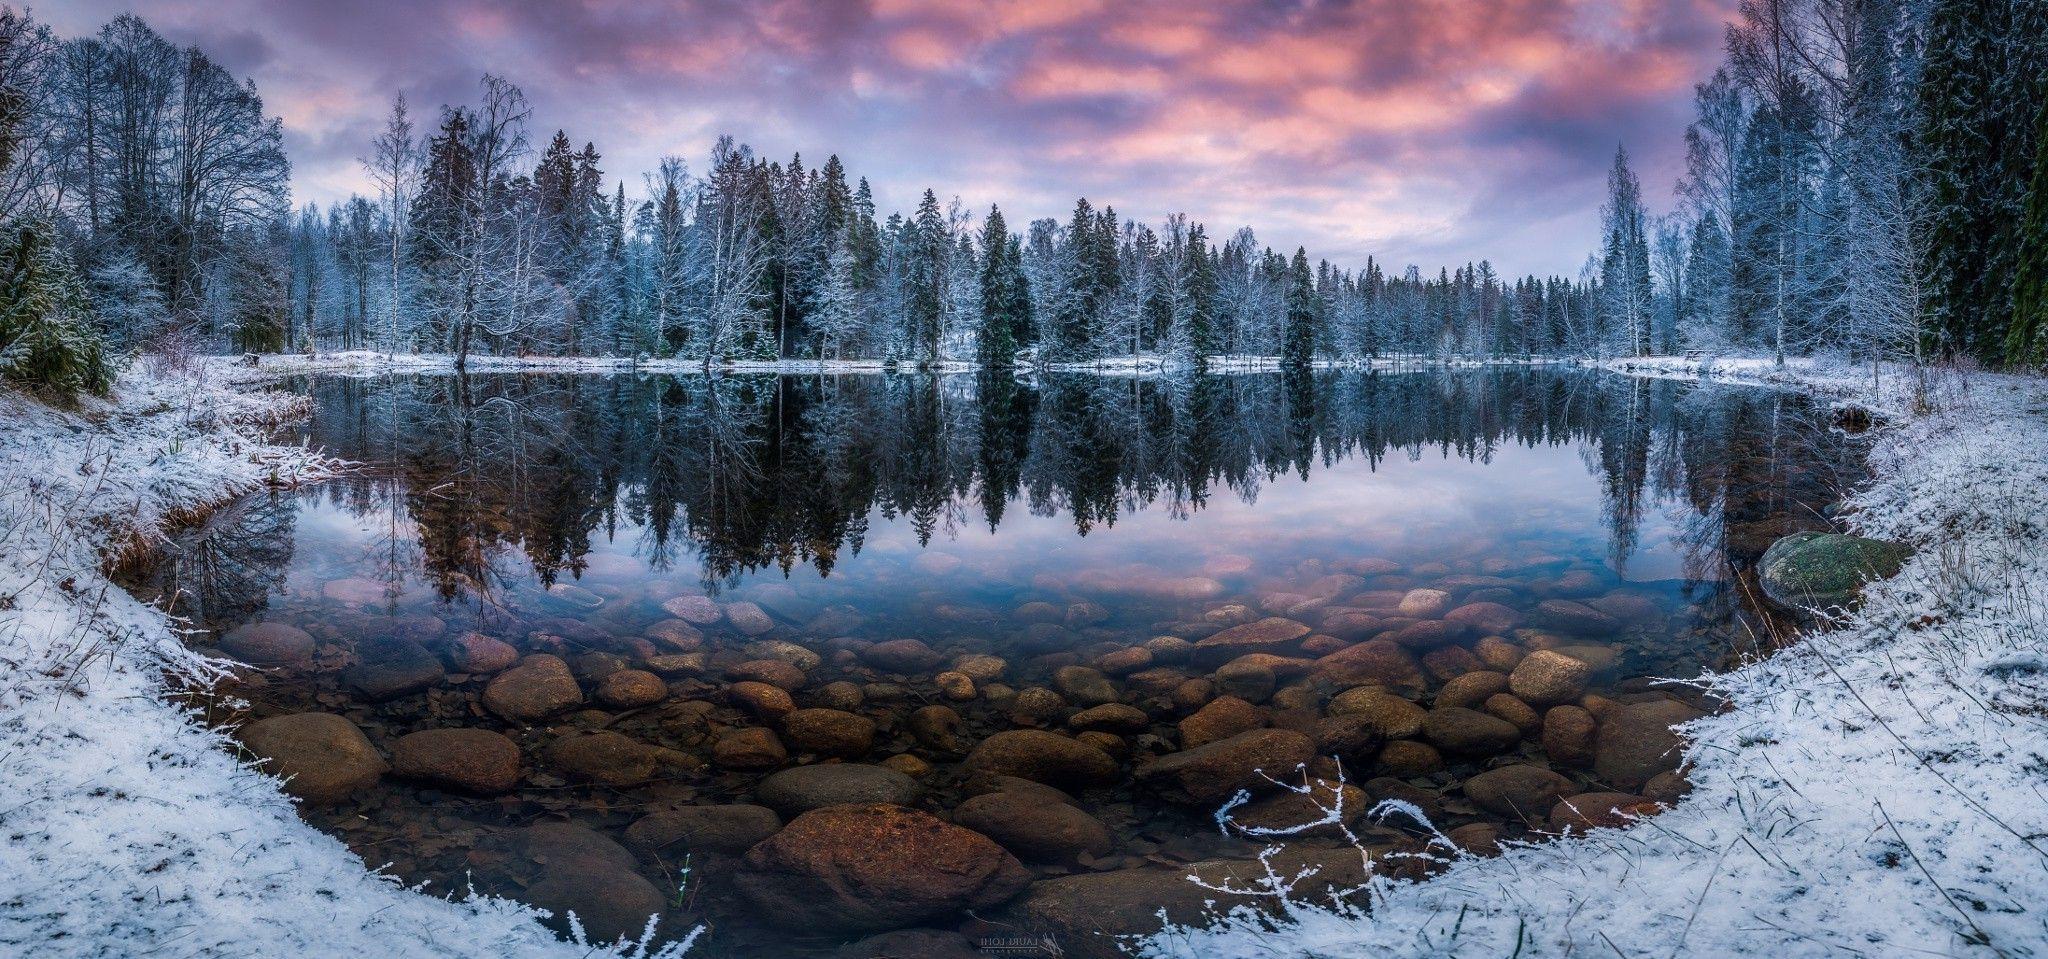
x,y
127,828
1877,790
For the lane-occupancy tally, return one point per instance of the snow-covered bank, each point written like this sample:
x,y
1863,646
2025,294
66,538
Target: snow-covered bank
x,y
126,828
1877,790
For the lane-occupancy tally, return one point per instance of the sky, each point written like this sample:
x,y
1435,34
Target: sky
x,y
1417,131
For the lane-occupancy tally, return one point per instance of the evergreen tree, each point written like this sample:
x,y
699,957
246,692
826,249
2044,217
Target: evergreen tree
x,y
1298,345
1625,256
925,299
2026,343
1001,268
1981,83
49,338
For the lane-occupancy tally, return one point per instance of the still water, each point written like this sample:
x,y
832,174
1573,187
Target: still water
x,y
1050,544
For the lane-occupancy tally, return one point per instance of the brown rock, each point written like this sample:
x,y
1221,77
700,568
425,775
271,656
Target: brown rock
x,y
1034,830
729,830
869,867
1270,635
749,748
1484,617
907,656
1221,719
611,759
748,618
1111,717
631,689
777,673
1518,792
269,644
829,732
1568,735
1408,758
1588,811
466,760
1472,689
795,791
1375,661
762,701
1524,717
1636,742
1546,678
1212,773
1042,757
1468,732
695,610
323,758
539,687
477,653
1392,716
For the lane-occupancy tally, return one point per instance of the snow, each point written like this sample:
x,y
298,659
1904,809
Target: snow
x,y
127,827
1877,790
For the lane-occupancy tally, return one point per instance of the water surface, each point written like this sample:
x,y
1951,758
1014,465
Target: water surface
x,y
1046,521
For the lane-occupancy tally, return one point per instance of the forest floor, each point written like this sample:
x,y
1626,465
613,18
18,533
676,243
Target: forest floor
x,y
126,826
1876,789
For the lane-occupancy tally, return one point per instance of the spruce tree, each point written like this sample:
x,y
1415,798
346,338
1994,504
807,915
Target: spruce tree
x,y
998,345
1297,346
2026,343
49,338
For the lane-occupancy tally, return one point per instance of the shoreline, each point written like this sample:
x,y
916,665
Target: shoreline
x,y
1926,701
129,827
240,870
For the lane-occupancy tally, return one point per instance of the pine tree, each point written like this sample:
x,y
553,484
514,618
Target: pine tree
x,y
997,346
926,288
2026,343
1298,347
1981,83
1625,256
49,338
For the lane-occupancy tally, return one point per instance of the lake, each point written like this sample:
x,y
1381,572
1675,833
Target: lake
x,y
583,628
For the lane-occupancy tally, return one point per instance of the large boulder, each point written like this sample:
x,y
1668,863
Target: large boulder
x,y
1636,742
1215,772
1044,757
1819,570
804,788
873,867
567,868
323,758
466,760
829,732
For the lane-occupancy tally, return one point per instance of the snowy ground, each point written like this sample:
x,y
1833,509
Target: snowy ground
x,y
125,827
1878,790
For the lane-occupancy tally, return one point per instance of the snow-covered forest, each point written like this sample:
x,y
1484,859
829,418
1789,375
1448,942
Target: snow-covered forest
x,y
1864,178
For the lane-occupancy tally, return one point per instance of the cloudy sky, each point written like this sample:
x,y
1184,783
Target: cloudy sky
x,y
1424,131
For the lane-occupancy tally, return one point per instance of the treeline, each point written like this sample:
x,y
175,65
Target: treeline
x,y
1865,178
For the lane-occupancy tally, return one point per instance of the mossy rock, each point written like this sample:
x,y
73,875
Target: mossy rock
x,y
1819,570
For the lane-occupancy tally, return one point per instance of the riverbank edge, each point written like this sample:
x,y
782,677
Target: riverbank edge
x,y
1876,789
126,826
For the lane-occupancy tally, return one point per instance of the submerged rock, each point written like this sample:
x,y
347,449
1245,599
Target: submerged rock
x,y
323,758
1820,570
1033,829
1636,742
795,791
696,830
877,866
1045,757
1213,773
269,644
467,760
537,688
